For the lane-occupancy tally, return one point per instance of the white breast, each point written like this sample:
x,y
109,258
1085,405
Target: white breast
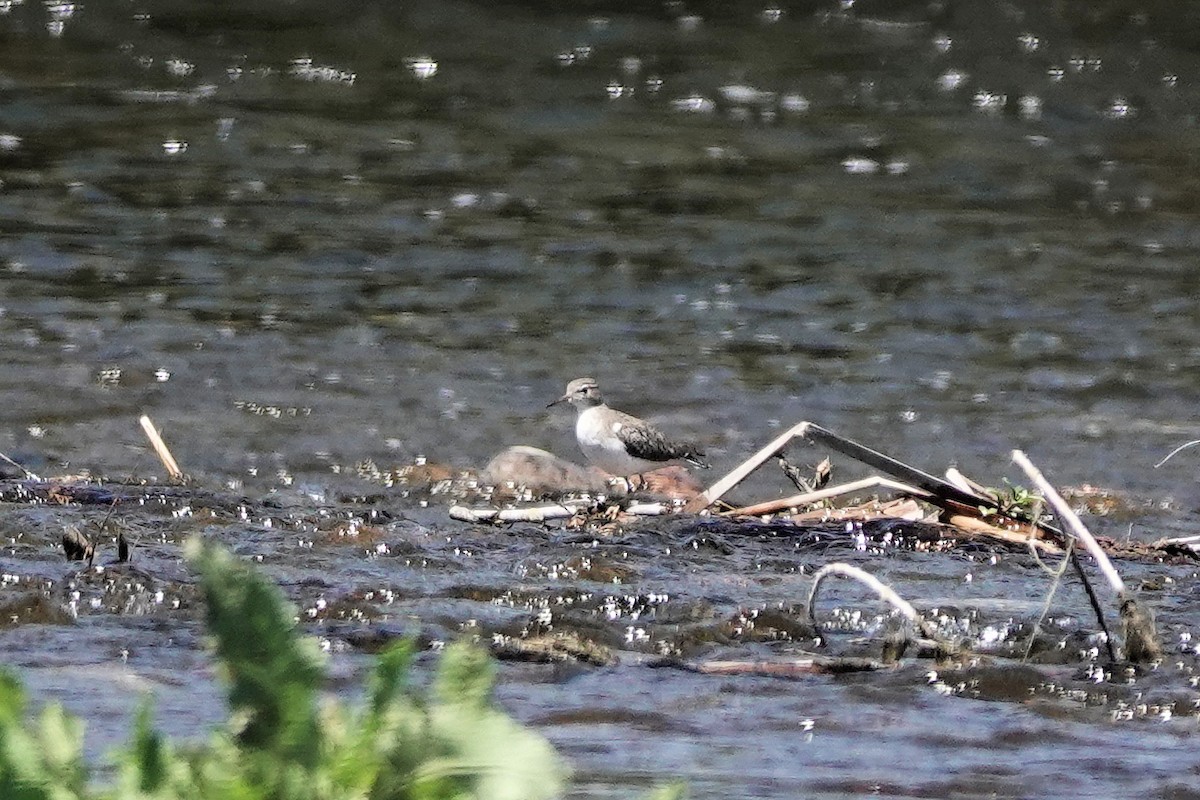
x,y
596,430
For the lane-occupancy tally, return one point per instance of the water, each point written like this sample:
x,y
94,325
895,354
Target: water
x,y
311,239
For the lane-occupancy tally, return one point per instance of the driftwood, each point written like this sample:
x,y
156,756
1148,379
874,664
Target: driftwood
x,y
964,504
943,490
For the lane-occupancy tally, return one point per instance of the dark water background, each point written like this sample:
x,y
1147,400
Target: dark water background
x,y
310,236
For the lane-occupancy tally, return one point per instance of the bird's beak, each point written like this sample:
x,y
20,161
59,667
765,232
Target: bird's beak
x,y
562,399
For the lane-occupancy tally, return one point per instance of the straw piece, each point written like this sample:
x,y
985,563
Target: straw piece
x,y
808,498
160,447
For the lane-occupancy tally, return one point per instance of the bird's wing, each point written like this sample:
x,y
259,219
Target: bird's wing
x,y
645,442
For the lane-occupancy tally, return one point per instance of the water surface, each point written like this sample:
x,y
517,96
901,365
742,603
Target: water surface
x,y
316,240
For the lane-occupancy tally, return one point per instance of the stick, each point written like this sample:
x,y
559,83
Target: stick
x,y
1181,541
160,447
1141,639
880,588
897,469
1171,454
1093,601
790,668
536,514
28,474
975,525
955,476
872,458
739,473
1072,521
808,498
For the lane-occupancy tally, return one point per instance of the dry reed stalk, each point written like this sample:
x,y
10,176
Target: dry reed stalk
x,y
905,508
808,498
160,447
947,493
955,476
1141,639
743,470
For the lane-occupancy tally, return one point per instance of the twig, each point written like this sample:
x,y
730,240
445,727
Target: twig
x,y
548,512
1094,601
1073,554
21,467
783,668
1181,541
975,525
1056,574
944,490
808,498
820,474
955,476
1171,454
160,447
1076,527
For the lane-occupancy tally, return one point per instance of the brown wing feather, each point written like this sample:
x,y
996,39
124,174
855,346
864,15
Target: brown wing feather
x,y
647,443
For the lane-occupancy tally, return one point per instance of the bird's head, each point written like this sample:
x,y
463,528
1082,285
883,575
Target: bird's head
x,y
581,393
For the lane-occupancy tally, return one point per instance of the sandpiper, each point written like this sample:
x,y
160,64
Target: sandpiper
x,y
618,443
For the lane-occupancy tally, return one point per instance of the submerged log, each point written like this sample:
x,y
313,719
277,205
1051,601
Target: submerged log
x,y
776,668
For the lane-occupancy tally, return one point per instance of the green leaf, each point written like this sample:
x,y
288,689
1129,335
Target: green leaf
x,y
465,676
145,766
670,791
274,673
387,679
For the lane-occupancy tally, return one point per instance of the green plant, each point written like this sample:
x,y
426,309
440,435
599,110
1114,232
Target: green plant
x,y
281,743
1015,502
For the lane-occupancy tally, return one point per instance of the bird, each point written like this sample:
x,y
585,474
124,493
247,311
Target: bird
x,y
619,443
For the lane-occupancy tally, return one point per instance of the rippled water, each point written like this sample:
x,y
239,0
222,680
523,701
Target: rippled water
x,y
311,237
